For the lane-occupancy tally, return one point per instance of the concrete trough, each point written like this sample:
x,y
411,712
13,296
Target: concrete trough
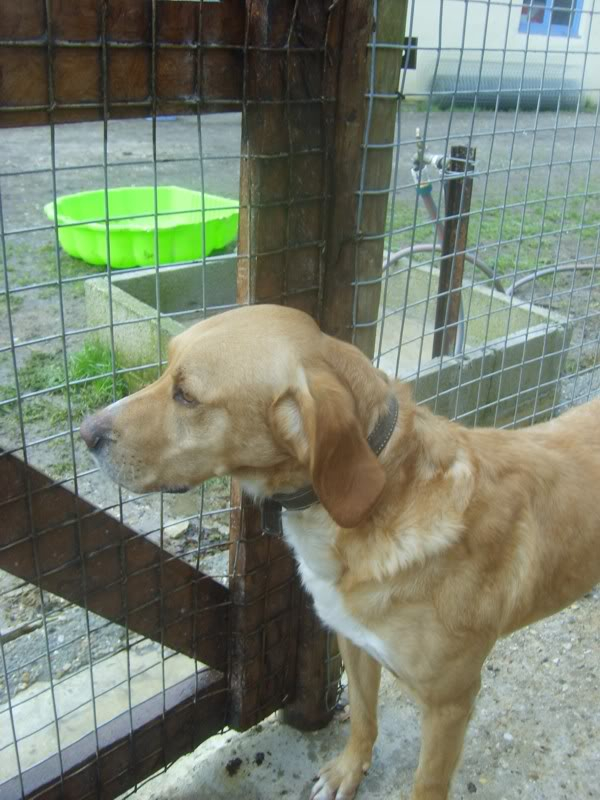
x,y
512,354
187,293
509,369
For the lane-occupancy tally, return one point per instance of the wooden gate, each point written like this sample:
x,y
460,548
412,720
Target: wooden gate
x,y
299,73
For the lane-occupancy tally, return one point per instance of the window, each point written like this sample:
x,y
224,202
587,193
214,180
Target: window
x,y
550,17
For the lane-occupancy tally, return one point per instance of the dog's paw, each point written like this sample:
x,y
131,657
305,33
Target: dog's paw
x,y
340,778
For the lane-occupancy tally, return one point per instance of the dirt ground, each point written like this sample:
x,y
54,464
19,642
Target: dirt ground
x,y
539,715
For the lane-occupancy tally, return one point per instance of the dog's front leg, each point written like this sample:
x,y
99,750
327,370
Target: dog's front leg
x,y
340,778
442,735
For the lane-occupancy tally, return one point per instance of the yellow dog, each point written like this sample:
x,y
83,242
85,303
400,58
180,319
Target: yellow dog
x,y
423,542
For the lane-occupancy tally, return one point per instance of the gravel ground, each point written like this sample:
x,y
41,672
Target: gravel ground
x,y
545,680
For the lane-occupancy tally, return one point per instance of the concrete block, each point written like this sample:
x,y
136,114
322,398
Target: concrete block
x,y
186,293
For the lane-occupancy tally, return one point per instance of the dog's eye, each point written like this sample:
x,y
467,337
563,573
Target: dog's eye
x,y
183,397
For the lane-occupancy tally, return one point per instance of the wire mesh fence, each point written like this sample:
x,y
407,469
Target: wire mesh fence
x,y
515,85
61,358
526,101
95,649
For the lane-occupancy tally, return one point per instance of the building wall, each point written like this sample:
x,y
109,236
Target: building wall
x,y
488,31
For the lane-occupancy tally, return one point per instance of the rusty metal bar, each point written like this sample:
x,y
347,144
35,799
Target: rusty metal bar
x,y
456,226
131,746
128,579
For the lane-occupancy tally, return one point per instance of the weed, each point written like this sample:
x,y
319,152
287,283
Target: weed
x,y
90,382
92,368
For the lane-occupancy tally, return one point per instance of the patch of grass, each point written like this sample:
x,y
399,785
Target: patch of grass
x,y
61,469
51,410
31,262
41,371
16,302
90,372
532,230
93,360
47,292
7,392
69,267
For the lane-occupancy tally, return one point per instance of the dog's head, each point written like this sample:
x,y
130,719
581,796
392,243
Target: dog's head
x,y
258,393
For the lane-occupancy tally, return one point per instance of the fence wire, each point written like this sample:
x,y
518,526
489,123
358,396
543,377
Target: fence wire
x,y
518,83
70,335
70,344
526,100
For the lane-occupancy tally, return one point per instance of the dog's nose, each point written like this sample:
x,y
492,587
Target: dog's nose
x,y
94,430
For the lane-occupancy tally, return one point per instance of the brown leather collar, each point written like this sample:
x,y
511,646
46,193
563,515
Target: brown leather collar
x,y
272,507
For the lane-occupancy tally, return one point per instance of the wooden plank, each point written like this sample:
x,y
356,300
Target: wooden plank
x,y
264,597
454,244
55,539
354,252
130,747
60,68
287,124
282,186
356,233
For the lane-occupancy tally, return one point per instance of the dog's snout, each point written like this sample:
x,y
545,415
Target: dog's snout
x,y
94,430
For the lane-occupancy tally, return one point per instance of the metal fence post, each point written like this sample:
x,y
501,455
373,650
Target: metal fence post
x,y
456,226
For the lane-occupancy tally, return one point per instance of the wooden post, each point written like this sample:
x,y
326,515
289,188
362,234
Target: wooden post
x,y
356,230
287,119
304,239
454,244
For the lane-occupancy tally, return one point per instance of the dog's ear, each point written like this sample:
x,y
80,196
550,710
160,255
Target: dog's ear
x,y
318,424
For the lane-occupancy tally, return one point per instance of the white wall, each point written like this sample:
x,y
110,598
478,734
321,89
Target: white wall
x,y
447,27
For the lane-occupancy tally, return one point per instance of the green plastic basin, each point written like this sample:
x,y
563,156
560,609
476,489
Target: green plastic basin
x,y
190,225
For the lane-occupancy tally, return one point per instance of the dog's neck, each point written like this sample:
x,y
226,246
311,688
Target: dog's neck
x,y
388,420
301,499
377,440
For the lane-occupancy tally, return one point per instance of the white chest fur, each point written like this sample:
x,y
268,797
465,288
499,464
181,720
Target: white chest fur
x,y
310,534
